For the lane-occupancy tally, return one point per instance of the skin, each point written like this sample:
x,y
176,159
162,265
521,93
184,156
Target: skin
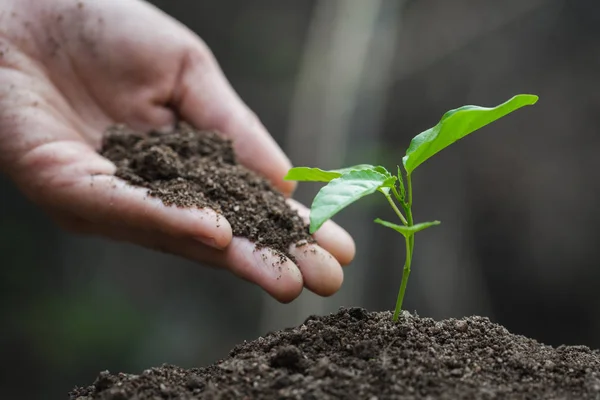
x,y
69,69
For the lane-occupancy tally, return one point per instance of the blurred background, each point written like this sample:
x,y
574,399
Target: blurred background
x,y
339,82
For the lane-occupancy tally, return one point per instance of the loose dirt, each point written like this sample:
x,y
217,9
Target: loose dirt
x,y
191,168
354,354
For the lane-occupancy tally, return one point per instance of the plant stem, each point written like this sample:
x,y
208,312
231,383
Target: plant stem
x,y
410,244
409,189
405,275
395,208
409,216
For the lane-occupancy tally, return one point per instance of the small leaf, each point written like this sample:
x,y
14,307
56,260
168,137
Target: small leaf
x,y
401,184
456,124
341,192
306,174
383,171
362,167
356,167
407,230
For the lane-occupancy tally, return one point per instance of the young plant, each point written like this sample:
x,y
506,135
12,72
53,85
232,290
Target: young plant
x,y
347,185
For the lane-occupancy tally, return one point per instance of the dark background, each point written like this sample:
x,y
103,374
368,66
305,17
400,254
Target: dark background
x,y
355,80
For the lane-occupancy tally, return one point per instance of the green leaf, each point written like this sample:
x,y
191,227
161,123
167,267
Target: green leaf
x,y
343,191
358,167
407,230
383,171
306,174
401,184
456,124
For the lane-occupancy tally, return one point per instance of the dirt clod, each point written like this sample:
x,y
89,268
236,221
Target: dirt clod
x,y
371,357
191,168
287,357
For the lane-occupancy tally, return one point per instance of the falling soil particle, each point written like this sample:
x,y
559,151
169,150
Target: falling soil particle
x,y
354,354
190,168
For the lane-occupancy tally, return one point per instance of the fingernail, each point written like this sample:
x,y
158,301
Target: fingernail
x,y
209,241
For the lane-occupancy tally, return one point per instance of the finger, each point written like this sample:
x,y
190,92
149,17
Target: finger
x,y
271,270
330,236
106,198
277,275
206,99
321,272
66,178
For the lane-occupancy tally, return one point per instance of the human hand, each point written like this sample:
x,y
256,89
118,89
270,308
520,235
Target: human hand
x,y
72,68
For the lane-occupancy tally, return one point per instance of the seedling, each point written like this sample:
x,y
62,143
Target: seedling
x,y
347,185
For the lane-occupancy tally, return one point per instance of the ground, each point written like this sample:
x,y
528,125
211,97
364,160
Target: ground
x,y
354,354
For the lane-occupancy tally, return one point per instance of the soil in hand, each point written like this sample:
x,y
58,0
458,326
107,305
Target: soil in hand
x,y
190,168
358,355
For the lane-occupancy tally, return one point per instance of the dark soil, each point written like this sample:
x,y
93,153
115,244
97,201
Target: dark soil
x,y
358,355
190,168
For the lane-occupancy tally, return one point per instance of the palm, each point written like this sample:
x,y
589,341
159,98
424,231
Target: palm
x,y
102,75
106,67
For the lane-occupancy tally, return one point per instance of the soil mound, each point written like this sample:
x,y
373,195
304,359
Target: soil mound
x,y
354,354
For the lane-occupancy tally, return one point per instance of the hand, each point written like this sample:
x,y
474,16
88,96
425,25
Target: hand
x,y
72,68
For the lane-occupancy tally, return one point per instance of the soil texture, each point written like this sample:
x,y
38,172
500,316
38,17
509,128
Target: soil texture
x,y
191,168
354,354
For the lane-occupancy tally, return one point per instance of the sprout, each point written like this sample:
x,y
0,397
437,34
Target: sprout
x,y
347,185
